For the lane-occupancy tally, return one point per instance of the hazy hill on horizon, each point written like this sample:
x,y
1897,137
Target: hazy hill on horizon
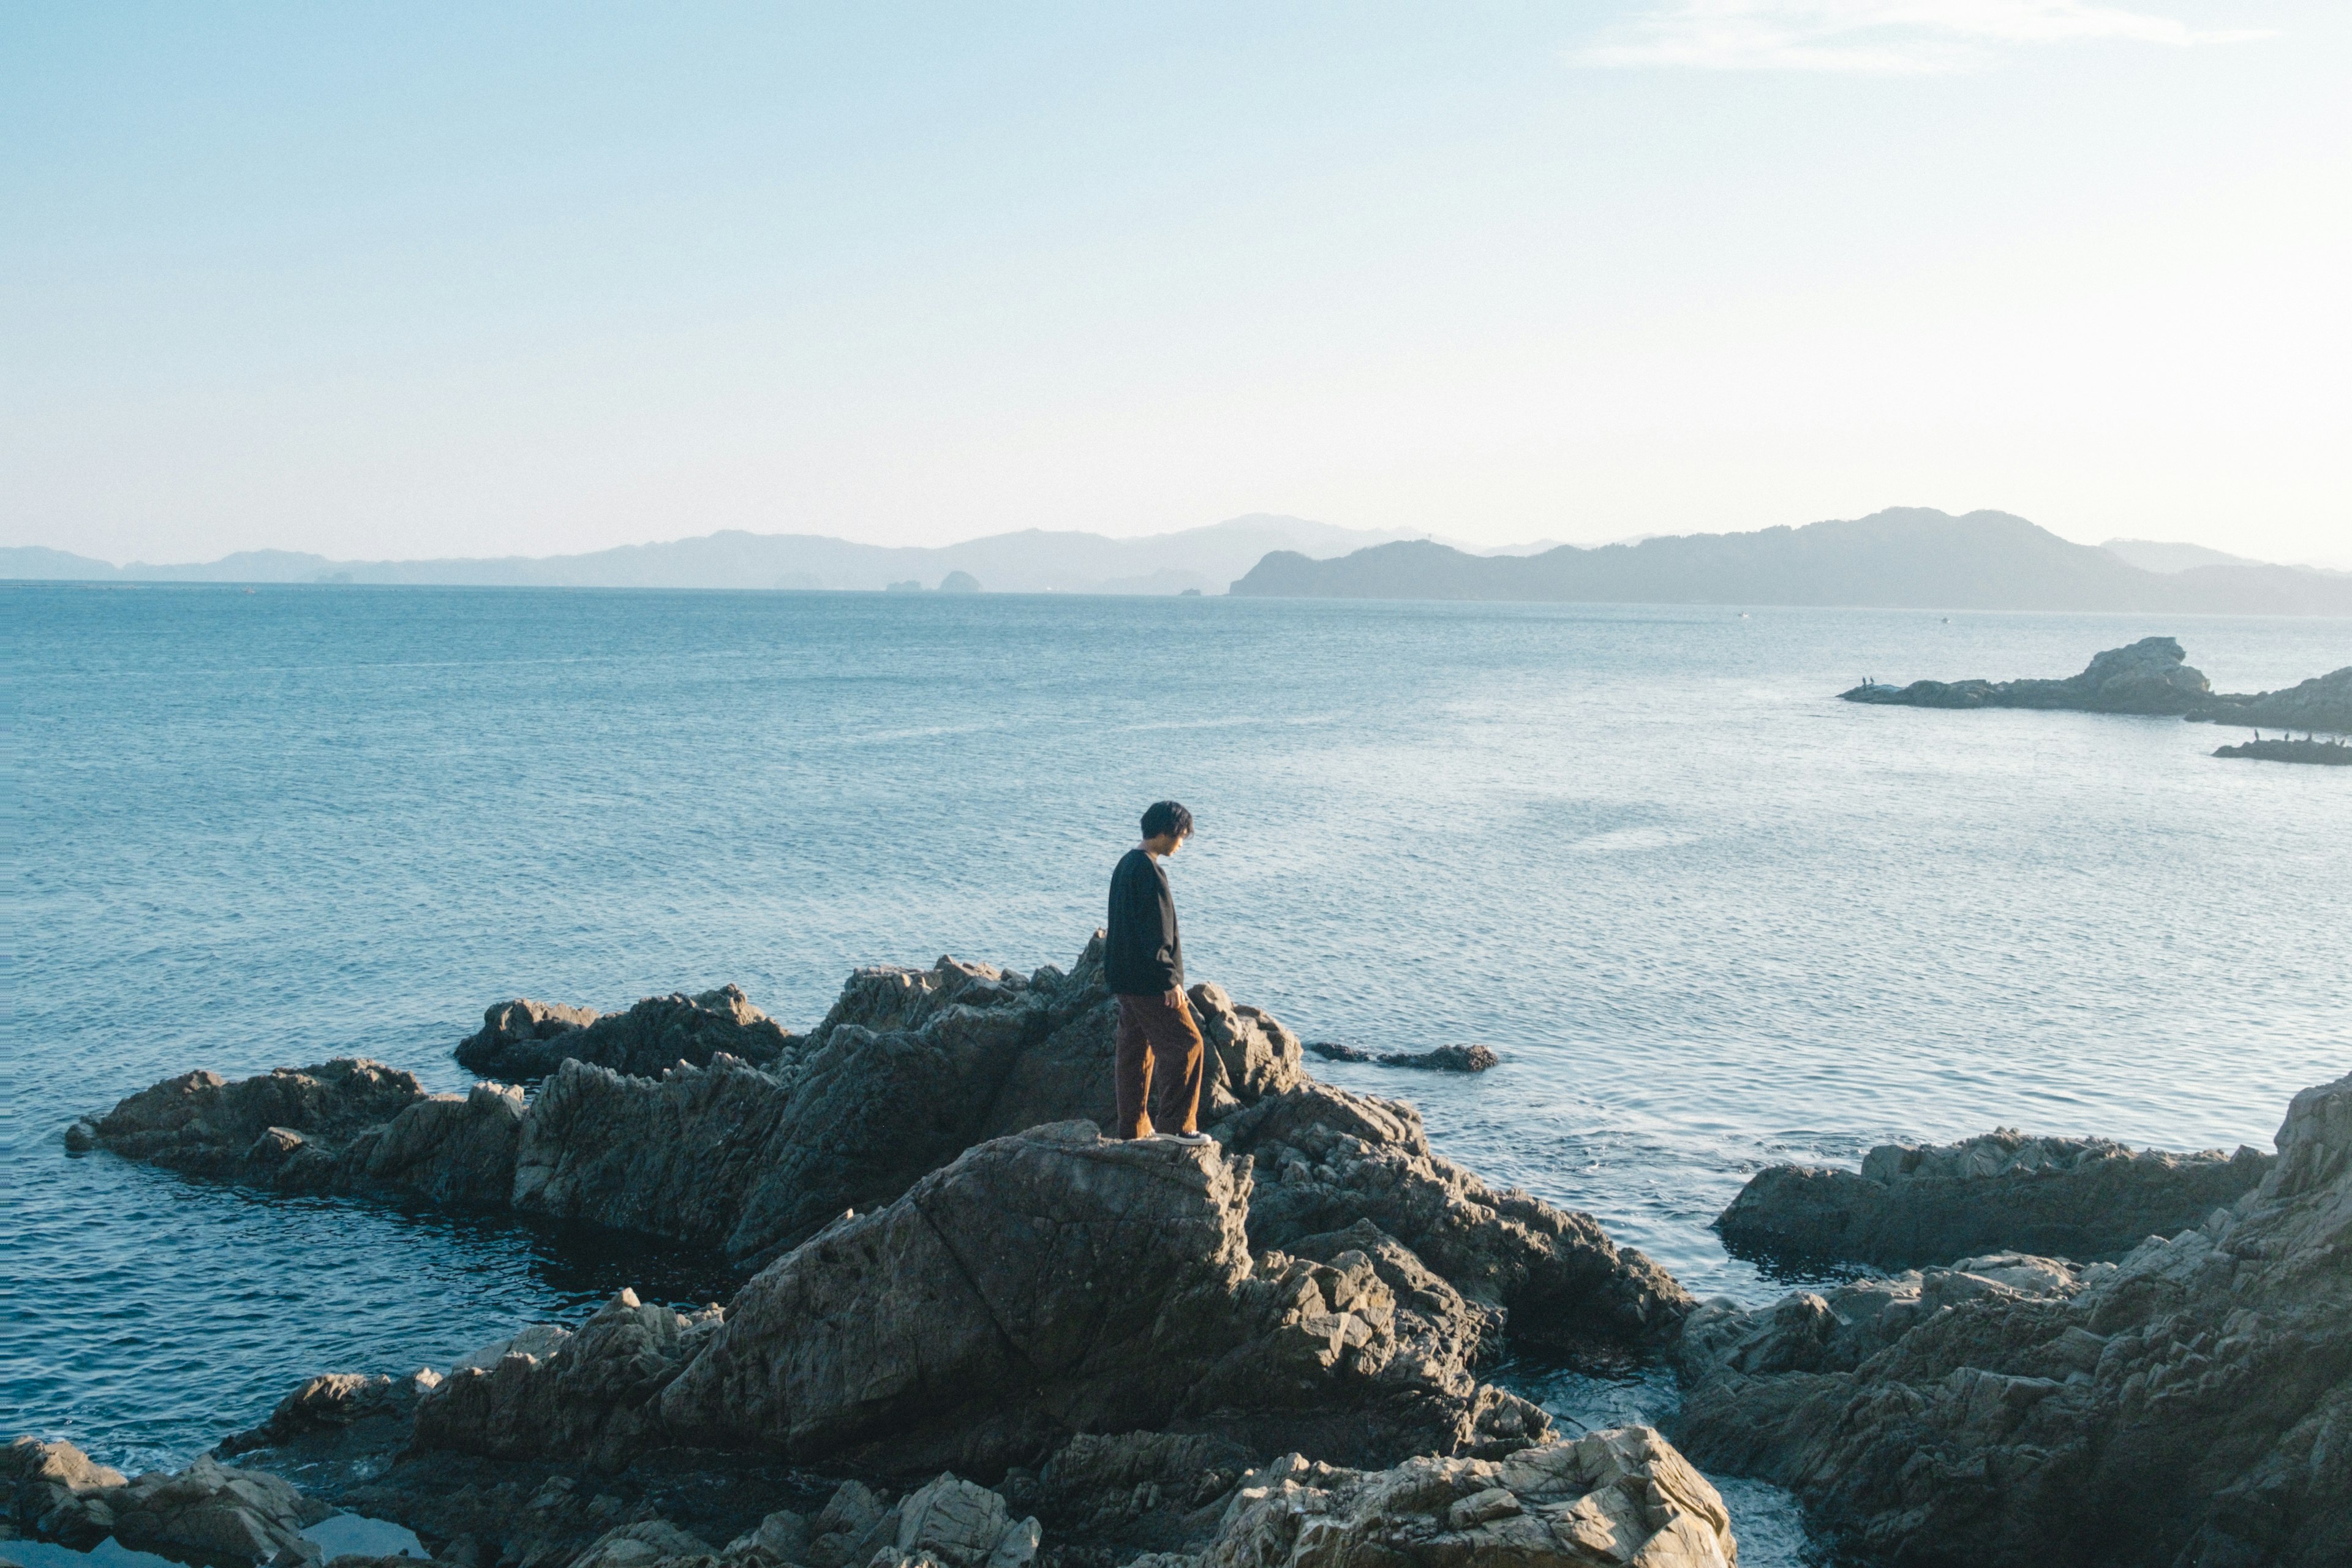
x,y
1901,558
1031,560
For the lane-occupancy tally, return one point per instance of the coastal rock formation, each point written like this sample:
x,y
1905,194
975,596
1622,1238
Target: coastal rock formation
x,y
524,1040
2151,676
1444,1058
2323,702
207,1514
2189,1403
1326,1159
2325,753
1056,1281
908,1070
1913,1205
350,1125
1622,1496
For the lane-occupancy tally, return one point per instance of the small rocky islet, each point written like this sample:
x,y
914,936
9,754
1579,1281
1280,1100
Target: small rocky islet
x,y
975,1333
2150,676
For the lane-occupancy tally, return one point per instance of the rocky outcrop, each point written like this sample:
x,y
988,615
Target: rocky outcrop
x,y
1055,1282
1325,1158
2325,753
908,1070
344,1126
337,1403
2151,676
587,1394
207,1514
1444,1058
2323,702
1622,1496
2187,1404
1912,1205
522,1040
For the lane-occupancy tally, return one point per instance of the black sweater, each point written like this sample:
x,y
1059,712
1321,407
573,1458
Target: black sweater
x,y
1142,955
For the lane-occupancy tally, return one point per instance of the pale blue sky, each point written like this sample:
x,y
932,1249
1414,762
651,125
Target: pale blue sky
x,y
404,279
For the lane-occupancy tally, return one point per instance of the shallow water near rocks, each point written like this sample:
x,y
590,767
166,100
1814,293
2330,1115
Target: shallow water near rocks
x,y
1710,917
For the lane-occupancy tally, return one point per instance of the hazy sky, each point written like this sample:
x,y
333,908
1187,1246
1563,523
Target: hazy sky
x,y
406,279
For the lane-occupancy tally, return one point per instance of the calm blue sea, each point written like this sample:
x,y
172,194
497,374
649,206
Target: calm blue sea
x,y
1711,917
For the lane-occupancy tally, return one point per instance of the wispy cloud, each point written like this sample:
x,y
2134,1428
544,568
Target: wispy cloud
x,y
1901,37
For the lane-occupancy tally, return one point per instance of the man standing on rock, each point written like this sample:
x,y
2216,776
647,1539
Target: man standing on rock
x,y
1143,963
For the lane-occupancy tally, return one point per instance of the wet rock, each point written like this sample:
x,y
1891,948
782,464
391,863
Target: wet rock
x,y
1622,1496
81,1137
2185,1405
1325,1158
1137,1487
1444,1058
291,1123
47,1483
336,1403
524,1040
206,1514
1056,1281
1912,1205
591,1394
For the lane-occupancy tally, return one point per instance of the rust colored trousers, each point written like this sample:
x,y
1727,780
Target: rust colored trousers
x,y
1159,1062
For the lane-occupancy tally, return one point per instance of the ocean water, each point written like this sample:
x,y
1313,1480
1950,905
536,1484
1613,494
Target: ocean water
x,y
1711,917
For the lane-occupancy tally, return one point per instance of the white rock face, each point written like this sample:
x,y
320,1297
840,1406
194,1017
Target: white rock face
x,y
1622,1496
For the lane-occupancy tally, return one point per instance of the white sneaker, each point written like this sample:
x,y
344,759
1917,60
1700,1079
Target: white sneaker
x,y
1189,1139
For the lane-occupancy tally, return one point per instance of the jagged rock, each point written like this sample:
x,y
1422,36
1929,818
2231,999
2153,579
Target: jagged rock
x,y
46,1482
2324,753
345,1126
1911,1205
1098,1485
591,1394
336,1401
203,1124
2187,1404
1622,1496
2323,702
963,1525
782,1537
641,1544
1325,1158
653,1121
1444,1058
524,1040
206,1514
2151,676
1056,1281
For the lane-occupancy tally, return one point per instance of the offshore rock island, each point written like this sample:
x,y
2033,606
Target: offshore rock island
x,y
2151,676
976,1333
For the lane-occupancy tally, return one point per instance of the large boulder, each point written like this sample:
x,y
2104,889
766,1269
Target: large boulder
x,y
1053,1282
207,1514
2323,702
2186,1405
1622,1496
524,1040
205,1125
589,1395
1911,1205
1325,1158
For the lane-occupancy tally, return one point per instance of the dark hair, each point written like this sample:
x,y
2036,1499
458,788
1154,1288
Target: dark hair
x,y
1166,816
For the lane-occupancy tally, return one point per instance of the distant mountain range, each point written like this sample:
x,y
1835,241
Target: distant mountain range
x,y
1907,557
1030,562
1904,557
